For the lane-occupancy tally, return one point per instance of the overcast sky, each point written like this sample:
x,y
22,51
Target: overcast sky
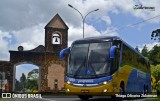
x,y
22,22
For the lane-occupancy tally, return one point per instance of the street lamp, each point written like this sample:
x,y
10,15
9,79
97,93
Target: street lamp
x,y
83,18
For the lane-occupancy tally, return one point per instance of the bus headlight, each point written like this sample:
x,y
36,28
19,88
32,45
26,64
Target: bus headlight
x,y
105,82
68,90
68,82
105,90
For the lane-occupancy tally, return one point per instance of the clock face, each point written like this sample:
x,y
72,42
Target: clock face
x,y
56,39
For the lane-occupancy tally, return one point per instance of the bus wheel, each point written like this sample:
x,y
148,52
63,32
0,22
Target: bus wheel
x,y
144,89
122,90
84,97
147,89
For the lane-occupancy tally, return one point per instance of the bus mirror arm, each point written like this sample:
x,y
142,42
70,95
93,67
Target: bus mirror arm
x,y
63,52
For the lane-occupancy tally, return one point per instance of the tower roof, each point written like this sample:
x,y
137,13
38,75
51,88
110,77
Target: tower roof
x,y
56,22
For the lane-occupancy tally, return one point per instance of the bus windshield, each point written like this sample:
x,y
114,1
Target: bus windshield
x,y
89,59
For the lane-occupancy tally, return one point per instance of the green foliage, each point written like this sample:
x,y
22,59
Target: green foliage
x,y
23,78
156,72
155,35
33,74
32,84
154,55
29,83
32,80
145,51
158,85
18,85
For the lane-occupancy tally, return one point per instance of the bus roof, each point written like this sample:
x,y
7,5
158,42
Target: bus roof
x,y
99,38
109,38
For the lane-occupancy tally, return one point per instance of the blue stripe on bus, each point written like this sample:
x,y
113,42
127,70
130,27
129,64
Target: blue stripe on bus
x,y
136,81
89,81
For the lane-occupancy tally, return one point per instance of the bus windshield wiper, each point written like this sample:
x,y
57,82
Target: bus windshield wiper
x,y
83,63
93,70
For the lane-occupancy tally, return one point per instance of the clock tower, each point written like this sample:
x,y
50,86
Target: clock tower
x,y
56,35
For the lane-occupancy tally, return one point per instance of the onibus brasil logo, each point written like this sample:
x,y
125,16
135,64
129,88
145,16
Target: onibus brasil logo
x,y
139,5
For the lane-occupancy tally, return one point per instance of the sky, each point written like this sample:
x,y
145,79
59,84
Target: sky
x,y
22,22
24,68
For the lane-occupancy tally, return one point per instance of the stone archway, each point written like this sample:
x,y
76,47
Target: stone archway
x,y
41,56
37,57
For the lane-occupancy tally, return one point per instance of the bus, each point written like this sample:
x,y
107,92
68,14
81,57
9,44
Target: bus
x,y
105,66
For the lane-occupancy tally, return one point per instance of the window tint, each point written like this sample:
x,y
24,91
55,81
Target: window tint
x,y
129,57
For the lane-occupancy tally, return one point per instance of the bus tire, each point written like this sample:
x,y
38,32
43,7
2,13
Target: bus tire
x,y
122,90
144,89
83,97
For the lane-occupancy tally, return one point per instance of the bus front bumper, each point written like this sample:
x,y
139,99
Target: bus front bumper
x,y
103,89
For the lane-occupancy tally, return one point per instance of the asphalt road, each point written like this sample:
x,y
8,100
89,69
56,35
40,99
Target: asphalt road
x,y
70,99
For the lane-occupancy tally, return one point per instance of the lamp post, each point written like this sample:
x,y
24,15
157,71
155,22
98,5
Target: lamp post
x,y
83,17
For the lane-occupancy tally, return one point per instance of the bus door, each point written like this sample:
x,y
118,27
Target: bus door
x,y
115,67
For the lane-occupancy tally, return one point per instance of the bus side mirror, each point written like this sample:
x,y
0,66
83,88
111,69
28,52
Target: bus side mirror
x,y
112,52
64,51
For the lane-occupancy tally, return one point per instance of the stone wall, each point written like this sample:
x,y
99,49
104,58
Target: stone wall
x,y
55,72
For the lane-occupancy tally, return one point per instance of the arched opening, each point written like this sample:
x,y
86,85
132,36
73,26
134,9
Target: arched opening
x,y
26,78
56,39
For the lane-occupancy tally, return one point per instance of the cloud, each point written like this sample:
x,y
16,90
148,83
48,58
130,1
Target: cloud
x,y
29,38
22,21
127,7
110,31
5,39
89,31
149,46
20,14
106,19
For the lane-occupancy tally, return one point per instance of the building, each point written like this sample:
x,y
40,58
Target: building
x,y
51,69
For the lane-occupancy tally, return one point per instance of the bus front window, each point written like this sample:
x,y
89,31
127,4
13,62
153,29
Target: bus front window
x,y
77,58
99,57
89,59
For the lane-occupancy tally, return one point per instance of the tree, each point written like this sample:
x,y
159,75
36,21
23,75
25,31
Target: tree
x,y
18,85
155,35
23,78
155,71
33,74
32,84
32,79
23,81
154,55
145,51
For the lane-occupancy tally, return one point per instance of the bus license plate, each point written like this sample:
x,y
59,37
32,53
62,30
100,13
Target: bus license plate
x,y
85,91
